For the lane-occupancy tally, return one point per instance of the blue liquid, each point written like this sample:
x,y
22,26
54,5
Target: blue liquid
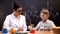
x,y
4,31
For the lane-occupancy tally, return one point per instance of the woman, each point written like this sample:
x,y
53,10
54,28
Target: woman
x,y
16,20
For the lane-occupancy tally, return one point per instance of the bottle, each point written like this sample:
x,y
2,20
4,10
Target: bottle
x,y
4,31
11,30
32,30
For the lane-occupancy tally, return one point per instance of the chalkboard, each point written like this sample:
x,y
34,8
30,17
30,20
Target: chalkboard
x,y
5,9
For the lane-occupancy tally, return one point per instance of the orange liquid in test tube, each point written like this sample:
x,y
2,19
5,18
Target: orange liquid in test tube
x,y
11,30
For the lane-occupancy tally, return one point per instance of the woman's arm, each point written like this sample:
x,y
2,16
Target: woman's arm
x,y
6,23
24,26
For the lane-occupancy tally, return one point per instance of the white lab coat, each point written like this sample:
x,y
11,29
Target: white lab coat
x,y
12,21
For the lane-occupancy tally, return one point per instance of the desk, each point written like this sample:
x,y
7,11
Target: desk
x,y
43,32
40,32
0,32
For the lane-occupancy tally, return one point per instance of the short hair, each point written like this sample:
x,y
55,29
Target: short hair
x,y
45,11
16,6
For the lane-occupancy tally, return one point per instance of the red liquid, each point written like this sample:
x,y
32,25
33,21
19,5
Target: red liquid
x,y
32,31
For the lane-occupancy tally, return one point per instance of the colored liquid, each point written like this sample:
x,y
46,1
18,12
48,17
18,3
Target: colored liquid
x,y
11,30
32,31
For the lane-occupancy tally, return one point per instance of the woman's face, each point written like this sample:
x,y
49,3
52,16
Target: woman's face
x,y
43,16
18,11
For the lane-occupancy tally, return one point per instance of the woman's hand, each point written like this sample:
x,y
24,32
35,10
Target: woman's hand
x,y
20,28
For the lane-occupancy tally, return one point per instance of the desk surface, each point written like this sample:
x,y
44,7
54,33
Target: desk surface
x,y
40,32
43,32
0,32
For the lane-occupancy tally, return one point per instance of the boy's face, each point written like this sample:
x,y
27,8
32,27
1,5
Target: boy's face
x,y
43,16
